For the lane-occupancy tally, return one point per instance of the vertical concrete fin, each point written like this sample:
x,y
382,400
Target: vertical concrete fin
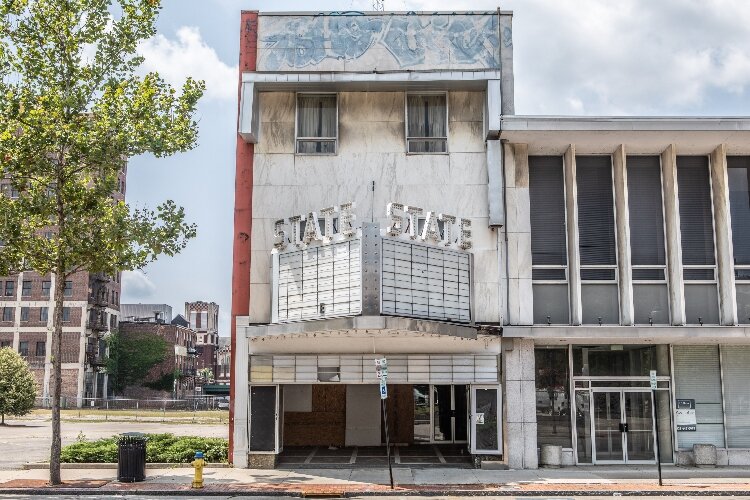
x,y
574,258
492,109
723,228
240,400
495,183
506,62
674,244
622,223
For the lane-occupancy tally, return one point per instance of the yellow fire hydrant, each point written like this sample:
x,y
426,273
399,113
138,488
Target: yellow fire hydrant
x,y
198,464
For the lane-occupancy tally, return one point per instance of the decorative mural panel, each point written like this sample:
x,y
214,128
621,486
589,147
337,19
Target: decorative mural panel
x,y
352,41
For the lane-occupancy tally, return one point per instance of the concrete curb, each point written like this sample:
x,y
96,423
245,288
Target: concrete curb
x,y
352,494
110,465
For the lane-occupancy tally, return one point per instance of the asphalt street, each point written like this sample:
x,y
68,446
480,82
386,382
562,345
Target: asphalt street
x,y
24,441
160,497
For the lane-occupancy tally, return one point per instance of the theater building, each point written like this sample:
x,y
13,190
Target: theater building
x,y
521,275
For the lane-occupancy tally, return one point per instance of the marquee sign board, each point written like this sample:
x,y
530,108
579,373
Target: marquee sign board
x,y
404,221
419,260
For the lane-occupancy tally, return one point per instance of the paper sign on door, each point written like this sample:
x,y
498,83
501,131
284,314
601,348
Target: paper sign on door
x,y
479,418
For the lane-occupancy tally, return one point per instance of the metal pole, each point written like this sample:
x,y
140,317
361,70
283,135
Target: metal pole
x,y
656,428
387,441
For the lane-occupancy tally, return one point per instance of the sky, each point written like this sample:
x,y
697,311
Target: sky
x,y
571,57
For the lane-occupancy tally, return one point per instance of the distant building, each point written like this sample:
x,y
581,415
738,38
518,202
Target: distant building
x,y
180,353
180,321
223,361
204,319
157,313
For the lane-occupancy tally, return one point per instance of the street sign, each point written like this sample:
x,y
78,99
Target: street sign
x,y
381,372
199,389
652,379
382,362
383,389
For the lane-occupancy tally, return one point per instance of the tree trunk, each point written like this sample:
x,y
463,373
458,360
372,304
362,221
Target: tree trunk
x,y
54,459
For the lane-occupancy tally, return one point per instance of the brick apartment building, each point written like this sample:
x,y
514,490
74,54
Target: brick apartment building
x,y
179,354
204,319
91,311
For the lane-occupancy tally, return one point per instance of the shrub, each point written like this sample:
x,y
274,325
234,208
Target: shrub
x,y
165,448
17,387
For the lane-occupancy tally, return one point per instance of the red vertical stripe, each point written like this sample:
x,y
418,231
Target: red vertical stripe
x,y
243,208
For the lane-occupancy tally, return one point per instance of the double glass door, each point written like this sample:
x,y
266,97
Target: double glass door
x,y
623,426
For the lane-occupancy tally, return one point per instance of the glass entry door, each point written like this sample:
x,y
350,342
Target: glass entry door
x,y
623,426
486,421
449,411
440,413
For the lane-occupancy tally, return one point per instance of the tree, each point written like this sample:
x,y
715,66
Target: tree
x,y
131,357
206,374
73,110
17,386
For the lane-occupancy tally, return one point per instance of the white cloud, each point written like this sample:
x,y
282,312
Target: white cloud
x,y
136,285
189,55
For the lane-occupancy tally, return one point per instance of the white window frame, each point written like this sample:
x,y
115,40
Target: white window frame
x,y
406,124
298,139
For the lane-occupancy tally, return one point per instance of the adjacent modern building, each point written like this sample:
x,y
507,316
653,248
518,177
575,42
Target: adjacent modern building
x,y
521,275
91,310
158,313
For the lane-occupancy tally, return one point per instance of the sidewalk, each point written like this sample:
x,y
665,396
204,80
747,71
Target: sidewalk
x,y
568,481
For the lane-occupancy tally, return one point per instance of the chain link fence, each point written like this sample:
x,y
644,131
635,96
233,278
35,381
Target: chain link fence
x,y
204,407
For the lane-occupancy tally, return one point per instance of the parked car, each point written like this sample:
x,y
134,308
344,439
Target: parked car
x,y
222,403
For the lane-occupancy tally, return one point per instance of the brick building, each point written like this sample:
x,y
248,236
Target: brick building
x,y
91,311
204,319
179,354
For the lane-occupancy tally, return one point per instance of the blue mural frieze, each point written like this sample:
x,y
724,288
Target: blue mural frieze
x,y
406,40
299,45
356,41
353,36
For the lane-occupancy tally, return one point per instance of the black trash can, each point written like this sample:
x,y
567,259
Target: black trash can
x,y
131,457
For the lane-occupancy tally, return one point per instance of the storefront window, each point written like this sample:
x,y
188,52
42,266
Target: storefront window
x,y
553,396
620,360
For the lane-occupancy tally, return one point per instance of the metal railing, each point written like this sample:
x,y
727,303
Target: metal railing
x,y
141,409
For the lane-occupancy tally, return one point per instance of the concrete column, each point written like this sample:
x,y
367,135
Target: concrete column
x,y
17,313
48,344
520,404
622,224
81,367
674,243
240,401
574,257
723,228
518,235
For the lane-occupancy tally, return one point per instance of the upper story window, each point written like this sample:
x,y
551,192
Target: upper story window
x,y
68,290
647,249
596,240
317,123
697,237
26,289
426,123
46,285
738,173
10,287
549,251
